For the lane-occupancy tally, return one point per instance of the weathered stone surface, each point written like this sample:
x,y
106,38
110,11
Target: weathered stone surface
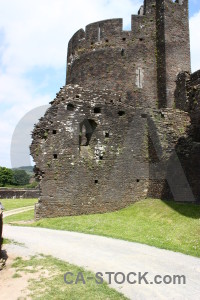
x,y
8,193
109,137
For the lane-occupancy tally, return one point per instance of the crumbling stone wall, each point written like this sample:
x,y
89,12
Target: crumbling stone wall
x,y
188,148
109,137
88,147
8,193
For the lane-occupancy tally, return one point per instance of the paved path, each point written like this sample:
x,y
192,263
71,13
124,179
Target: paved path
x,y
17,211
100,254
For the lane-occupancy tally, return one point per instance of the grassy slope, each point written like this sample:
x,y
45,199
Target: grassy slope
x,y
17,203
167,225
53,285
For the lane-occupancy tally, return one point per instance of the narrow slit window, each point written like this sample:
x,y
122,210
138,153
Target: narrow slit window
x,y
99,34
139,78
96,181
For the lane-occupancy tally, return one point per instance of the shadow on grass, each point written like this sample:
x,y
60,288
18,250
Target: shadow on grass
x,y
190,210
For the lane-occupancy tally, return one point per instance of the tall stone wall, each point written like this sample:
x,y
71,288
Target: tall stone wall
x,y
173,47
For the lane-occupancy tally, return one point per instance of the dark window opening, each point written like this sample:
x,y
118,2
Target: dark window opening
x,y
111,101
144,116
101,157
54,131
97,110
55,156
87,128
124,39
162,115
70,107
138,180
122,52
141,39
92,43
107,40
107,135
121,113
96,181
77,96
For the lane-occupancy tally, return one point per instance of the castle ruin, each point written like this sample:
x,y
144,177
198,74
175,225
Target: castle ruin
x,y
126,124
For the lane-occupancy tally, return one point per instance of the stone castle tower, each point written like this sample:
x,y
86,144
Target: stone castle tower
x,y
109,137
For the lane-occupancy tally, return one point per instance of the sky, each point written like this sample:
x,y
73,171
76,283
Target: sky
x,y
33,48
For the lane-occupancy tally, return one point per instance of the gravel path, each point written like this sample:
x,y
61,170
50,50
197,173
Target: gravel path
x,y
17,211
100,254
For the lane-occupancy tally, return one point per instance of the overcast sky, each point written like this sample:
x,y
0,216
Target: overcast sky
x,y
33,46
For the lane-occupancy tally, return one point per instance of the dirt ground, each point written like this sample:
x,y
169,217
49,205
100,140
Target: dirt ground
x,y
14,285
13,288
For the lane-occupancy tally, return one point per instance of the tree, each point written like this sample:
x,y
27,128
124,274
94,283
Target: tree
x,y
6,176
20,177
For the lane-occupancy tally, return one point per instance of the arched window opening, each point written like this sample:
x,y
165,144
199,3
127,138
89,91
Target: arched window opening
x,y
87,128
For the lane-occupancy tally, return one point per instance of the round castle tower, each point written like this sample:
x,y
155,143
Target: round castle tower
x,y
143,63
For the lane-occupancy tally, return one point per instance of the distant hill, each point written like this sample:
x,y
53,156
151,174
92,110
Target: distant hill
x,y
28,169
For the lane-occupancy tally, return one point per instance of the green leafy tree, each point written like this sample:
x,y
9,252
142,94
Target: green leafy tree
x,y
6,176
20,177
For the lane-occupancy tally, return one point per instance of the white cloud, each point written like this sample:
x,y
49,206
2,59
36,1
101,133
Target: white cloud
x,y
37,31
195,41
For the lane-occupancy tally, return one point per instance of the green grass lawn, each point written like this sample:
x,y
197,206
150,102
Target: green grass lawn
x,y
163,224
25,216
17,203
53,286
